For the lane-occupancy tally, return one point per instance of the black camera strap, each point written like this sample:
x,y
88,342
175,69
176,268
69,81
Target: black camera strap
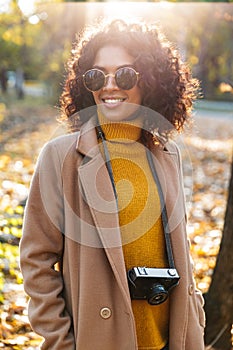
x,y
166,228
100,135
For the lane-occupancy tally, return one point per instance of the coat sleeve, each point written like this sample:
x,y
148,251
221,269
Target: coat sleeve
x,y
41,249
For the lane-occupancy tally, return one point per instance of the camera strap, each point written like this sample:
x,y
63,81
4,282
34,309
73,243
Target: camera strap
x,y
166,230
100,135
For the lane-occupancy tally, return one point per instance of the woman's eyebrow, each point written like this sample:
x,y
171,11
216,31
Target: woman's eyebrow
x,y
116,68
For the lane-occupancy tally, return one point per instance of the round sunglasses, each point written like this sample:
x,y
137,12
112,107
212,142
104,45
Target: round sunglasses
x,y
95,79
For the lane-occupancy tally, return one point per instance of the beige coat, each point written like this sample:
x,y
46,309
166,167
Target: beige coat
x,y
72,260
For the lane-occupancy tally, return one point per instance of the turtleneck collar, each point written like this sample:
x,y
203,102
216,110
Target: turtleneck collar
x,y
126,131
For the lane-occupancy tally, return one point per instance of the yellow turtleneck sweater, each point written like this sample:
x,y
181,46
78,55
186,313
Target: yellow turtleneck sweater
x,y
143,240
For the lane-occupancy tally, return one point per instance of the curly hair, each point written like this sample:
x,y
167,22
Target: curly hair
x,y
165,81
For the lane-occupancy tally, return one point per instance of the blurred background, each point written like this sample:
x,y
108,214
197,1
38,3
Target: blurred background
x,y
36,37
35,41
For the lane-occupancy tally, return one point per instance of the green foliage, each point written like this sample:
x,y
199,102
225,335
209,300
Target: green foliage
x,y
17,42
211,49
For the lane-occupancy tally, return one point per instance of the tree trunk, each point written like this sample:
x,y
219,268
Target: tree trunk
x,y
219,299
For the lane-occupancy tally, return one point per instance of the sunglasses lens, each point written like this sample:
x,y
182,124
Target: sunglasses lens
x,y
126,78
94,79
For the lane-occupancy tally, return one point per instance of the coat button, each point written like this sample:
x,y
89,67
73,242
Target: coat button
x,y
105,312
191,289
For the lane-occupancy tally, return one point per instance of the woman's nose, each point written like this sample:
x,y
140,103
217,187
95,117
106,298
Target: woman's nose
x,y
110,82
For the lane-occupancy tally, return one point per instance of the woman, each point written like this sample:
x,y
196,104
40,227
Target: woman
x,y
107,200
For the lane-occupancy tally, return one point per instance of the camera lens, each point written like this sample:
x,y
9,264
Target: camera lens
x,y
157,295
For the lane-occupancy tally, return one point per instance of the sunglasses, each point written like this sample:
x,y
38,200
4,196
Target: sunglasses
x,y
95,79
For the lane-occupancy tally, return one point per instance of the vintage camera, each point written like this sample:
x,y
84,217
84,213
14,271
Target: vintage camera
x,y
151,284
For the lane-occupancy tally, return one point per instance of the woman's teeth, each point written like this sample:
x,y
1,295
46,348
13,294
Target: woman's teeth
x,y
113,100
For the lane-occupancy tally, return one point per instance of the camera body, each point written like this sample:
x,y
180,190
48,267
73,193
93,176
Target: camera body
x,y
151,284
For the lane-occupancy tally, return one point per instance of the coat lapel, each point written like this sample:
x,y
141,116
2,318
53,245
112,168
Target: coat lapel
x,y
169,174
99,196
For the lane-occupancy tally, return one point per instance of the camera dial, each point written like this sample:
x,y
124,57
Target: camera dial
x,y
157,295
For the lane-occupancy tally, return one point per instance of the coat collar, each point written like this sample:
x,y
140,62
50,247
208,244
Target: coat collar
x,y
87,139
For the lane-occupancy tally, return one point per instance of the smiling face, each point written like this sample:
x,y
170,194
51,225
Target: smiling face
x,y
116,104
